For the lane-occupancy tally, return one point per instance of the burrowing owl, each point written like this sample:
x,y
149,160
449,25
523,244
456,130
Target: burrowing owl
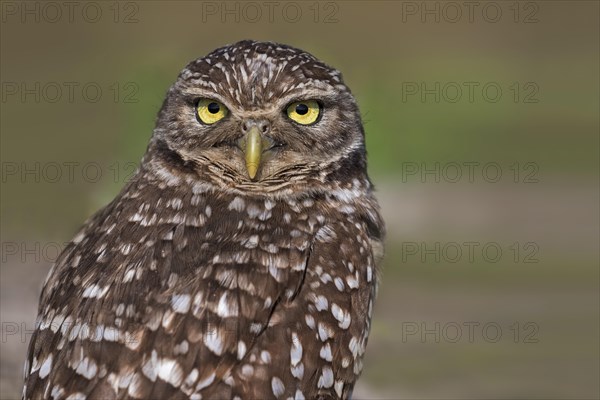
x,y
241,259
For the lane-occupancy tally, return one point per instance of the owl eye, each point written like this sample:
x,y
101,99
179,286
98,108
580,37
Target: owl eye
x,y
210,111
304,112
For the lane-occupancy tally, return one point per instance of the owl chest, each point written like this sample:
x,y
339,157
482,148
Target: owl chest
x,y
238,237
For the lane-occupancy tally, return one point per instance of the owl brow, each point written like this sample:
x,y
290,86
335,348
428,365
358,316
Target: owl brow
x,y
322,95
200,93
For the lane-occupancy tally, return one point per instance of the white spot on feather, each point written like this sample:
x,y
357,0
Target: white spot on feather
x,y
46,367
339,283
321,303
324,332
298,371
326,378
237,204
170,371
352,281
341,315
269,204
111,334
205,382
79,237
325,352
241,350
129,275
310,321
212,340
251,242
87,368
296,349
277,386
247,370
227,308
94,291
265,356
191,378
181,348
180,303
353,346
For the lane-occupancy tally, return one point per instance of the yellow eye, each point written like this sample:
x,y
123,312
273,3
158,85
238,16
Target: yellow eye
x,y
211,111
304,112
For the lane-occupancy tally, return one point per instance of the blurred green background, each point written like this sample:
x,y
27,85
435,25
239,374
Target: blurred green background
x,y
528,319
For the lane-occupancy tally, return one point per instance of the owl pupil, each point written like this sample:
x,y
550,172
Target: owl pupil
x,y
213,108
301,109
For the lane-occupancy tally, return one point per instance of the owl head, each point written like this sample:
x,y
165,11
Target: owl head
x,y
260,117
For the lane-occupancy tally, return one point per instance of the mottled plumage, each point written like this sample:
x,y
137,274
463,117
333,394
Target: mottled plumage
x,y
198,281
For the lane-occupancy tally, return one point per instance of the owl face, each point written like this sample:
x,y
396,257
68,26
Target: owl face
x,y
261,116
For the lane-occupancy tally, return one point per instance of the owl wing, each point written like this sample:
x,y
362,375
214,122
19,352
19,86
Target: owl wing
x,y
149,302
316,339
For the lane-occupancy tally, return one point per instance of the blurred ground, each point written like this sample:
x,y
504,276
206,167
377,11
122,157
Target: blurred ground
x,y
491,282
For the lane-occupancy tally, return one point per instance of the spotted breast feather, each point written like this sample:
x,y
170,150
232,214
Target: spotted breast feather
x,y
237,296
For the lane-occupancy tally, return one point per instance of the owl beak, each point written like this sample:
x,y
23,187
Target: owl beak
x,y
253,149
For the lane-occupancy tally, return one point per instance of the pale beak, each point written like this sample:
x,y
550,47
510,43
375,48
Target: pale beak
x,y
253,149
